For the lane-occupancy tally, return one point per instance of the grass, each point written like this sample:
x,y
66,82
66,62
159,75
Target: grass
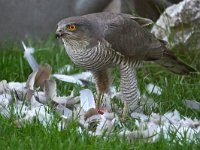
x,y
34,136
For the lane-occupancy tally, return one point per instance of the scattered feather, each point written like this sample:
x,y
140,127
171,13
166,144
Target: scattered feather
x,y
147,104
192,104
34,103
5,100
151,88
41,97
89,113
66,100
84,76
67,113
64,112
44,72
16,86
170,122
67,78
81,78
66,68
4,87
31,80
140,116
148,127
33,107
28,51
87,99
50,89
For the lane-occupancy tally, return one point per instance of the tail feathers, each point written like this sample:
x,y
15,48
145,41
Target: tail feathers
x,y
172,63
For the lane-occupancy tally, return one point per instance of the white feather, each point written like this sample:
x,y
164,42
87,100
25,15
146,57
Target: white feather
x,y
28,56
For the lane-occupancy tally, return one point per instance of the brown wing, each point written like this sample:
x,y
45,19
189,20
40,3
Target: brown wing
x,y
127,35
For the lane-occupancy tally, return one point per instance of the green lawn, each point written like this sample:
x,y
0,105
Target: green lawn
x,y
34,136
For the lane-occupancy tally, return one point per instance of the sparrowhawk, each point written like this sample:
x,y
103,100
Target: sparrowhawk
x,y
104,40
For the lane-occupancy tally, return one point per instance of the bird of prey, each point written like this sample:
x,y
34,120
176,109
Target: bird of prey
x,y
104,40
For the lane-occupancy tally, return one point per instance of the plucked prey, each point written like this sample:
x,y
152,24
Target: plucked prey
x,y
104,40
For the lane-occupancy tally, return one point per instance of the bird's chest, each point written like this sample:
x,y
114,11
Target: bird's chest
x,y
95,58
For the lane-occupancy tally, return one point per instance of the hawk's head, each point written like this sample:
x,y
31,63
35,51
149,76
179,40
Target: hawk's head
x,y
76,28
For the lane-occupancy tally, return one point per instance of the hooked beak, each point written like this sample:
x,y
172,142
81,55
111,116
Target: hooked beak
x,y
59,34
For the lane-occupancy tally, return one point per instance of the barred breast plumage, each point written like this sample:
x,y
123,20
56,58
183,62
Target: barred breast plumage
x,y
96,58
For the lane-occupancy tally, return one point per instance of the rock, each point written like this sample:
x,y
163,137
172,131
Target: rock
x,y
179,23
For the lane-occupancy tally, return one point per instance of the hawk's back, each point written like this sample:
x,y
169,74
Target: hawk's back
x,y
126,35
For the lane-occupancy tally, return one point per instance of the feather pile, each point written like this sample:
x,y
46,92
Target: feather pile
x,y
33,98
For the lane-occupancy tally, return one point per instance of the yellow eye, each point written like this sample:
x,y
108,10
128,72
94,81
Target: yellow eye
x,y
71,27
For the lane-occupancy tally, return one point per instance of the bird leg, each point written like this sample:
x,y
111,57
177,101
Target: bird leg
x,y
128,87
102,79
98,98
